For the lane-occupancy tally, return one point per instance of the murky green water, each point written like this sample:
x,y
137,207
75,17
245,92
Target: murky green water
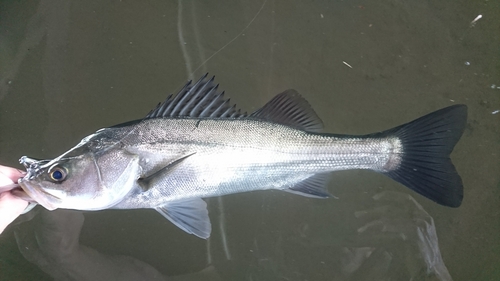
x,y
68,68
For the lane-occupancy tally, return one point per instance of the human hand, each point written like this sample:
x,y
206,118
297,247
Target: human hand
x,y
10,206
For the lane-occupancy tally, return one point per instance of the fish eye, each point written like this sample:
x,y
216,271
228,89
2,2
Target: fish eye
x,y
58,173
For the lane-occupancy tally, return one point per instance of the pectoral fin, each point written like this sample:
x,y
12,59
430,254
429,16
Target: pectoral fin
x,y
189,215
145,181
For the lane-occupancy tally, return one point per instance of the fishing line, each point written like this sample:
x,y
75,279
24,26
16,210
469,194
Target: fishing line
x,y
182,42
190,75
185,52
232,40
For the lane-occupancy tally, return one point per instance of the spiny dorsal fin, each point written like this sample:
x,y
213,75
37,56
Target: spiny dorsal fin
x,y
199,100
291,109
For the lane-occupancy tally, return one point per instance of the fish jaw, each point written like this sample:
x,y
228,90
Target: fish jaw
x,y
47,200
33,188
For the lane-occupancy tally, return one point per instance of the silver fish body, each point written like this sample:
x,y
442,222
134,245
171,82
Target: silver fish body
x,y
181,152
232,156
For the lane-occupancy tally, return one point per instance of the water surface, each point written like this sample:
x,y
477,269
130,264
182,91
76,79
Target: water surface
x,y
68,68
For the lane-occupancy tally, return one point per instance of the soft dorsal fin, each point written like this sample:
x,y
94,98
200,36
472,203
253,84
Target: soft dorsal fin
x,y
291,109
199,100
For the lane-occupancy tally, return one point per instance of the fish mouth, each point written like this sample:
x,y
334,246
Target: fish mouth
x,y
37,194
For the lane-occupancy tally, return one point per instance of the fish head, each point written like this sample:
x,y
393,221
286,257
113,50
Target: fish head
x,y
60,183
90,176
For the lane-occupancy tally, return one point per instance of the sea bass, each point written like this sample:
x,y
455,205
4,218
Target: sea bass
x,y
196,145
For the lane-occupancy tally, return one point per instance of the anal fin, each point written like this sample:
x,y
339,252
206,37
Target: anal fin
x,y
189,215
313,187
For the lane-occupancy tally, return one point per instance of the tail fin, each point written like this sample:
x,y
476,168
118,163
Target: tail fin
x,y
426,165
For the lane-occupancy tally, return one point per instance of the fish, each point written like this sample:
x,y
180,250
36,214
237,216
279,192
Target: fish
x,y
196,144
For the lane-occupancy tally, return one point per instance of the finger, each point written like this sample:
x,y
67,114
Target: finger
x,y
10,208
11,174
7,187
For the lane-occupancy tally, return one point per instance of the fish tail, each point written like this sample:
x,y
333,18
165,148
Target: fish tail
x,y
425,165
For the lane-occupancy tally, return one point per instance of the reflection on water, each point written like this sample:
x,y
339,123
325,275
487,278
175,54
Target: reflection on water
x,y
396,240
52,243
68,68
